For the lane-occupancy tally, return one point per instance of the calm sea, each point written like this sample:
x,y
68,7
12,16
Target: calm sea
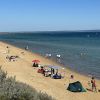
x,y
80,51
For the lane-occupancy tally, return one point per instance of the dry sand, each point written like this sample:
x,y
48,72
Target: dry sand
x,y
24,72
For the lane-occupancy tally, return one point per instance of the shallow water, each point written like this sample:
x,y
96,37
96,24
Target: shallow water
x,y
79,51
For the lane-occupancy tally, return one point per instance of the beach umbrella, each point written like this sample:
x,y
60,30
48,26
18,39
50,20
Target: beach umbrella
x,y
36,61
55,67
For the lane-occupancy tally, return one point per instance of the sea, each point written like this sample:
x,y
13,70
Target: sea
x,y
79,51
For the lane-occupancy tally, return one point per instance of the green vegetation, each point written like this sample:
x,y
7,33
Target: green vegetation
x,y
10,89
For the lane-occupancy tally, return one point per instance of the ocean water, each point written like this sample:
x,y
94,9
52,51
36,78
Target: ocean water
x,y
80,51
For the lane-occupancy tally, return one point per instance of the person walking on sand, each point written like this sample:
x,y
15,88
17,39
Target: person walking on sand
x,y
93,85
8,49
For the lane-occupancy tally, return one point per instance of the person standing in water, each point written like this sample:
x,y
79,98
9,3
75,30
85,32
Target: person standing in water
x,y
58,58
26,48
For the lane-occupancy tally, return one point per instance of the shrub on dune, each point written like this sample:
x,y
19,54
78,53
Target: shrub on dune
x,y
10,89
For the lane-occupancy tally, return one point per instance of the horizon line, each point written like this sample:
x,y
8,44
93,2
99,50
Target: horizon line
x,y
51,31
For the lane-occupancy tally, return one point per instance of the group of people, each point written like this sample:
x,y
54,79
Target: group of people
x,y
35,64
11,58
48,55
92,83
58,57
49,72
53,73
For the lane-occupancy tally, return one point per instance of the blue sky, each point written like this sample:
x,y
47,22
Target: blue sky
x,y
48,15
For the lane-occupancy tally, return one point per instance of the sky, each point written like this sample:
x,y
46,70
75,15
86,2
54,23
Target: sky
x,y
49,15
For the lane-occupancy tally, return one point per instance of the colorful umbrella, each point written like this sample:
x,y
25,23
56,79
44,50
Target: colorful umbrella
x,y
36,61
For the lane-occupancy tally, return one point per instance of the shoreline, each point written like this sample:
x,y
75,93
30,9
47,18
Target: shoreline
x,y
67,68
29,75
61,65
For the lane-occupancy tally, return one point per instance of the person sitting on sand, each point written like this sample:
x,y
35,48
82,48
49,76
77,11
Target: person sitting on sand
x,y
34,65
43,70
93,84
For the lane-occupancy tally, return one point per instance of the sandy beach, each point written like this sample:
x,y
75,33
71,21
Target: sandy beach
x,y
24,72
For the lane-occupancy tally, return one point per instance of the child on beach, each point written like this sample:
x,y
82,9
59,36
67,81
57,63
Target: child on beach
x,y
71,79
93,84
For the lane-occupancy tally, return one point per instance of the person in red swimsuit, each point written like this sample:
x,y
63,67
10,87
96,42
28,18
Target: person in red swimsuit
x,y
93,84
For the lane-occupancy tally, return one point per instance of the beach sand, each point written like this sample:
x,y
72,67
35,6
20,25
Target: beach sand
x,y
24,72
